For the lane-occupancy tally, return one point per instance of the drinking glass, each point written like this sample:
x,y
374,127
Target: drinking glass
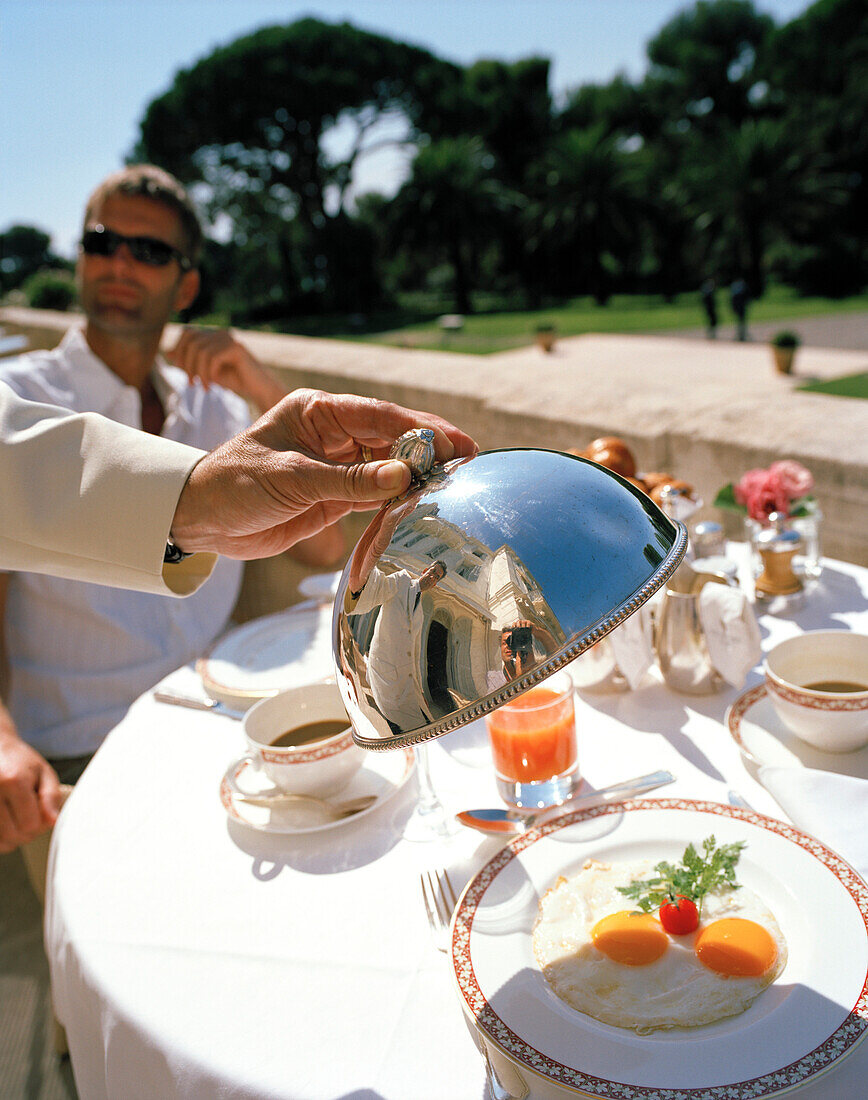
x,y
533,743
429,820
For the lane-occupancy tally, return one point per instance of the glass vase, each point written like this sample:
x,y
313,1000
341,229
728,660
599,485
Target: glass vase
x,y
809,564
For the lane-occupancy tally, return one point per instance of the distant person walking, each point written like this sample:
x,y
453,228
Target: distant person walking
x,y
738,299
709,303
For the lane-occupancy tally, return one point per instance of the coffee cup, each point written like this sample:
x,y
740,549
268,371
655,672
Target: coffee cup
x,y
301,739
818,685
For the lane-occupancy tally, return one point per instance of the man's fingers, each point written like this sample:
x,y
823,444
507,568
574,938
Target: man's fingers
x,y
449,441
10,838
24,809
335,426
321,494
319,482
391,477
177,353
50,795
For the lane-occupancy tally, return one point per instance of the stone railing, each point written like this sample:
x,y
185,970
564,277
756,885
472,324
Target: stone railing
x,y
705,411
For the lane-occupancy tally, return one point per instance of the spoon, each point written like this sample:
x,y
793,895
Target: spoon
x,y
335,810
506,822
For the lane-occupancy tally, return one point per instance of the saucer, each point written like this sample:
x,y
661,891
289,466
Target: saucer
x,y
322,587
764,740
383,774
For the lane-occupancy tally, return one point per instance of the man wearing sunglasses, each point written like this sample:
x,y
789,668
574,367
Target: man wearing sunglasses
x,y
80,653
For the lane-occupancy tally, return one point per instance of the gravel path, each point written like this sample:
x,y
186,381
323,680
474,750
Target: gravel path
x,y
841,330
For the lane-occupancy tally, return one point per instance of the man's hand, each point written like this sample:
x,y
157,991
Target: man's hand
x,y
215,357
30,796
298,469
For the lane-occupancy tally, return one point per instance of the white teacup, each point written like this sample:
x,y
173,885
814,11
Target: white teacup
x,y
316,754
807,677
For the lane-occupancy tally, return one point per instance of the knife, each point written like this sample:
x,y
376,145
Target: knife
x,y
514,822
214,705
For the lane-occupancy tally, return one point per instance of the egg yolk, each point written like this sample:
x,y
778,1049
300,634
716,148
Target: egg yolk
x,y
634,939
736,947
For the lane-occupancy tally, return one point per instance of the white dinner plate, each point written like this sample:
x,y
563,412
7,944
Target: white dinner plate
x,y
320,586
383,774
288,649
797,1028
763,739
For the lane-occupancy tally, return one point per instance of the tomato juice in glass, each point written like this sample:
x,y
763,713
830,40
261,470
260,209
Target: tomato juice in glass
x,y
533,743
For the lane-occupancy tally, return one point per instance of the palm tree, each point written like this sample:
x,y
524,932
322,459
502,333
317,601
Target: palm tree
x,y
451,206
583,213
754,183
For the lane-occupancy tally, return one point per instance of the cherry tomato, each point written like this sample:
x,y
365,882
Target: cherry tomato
x,y
679,915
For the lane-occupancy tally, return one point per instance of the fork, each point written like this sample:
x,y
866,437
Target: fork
x,y
440,900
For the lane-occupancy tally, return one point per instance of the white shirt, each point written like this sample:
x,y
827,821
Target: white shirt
x,y
395,657
79,654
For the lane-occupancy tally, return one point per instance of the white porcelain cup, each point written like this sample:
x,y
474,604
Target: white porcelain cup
x,y
797,669
320,767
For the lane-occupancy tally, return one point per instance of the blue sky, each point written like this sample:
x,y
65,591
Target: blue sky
x,y
77,75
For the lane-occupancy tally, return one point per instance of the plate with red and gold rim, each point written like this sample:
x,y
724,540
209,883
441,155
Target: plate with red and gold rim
x,y
799,1027
763,739
259,658
382,775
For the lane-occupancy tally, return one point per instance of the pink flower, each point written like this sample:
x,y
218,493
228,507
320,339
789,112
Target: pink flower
x,y
764,496
748,485
793,478
762,492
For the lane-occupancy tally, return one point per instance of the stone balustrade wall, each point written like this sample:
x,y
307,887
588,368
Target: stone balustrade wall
x,y
704,411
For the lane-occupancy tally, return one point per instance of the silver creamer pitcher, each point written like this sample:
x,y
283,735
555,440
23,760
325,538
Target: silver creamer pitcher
x,y
679,640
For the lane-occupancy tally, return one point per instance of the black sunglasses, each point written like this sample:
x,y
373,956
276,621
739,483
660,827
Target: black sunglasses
x,y
100,241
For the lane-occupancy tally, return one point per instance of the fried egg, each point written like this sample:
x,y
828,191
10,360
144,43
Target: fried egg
x,y
622,967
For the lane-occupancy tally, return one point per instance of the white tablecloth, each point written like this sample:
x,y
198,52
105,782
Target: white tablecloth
x,y
192,957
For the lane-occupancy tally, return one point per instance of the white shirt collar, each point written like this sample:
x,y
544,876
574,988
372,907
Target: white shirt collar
x,y
98,389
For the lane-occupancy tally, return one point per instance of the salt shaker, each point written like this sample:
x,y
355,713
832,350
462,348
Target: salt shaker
x,y
708,546
708,540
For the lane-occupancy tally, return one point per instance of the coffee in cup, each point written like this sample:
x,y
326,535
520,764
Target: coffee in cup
x,y
301,739
818,684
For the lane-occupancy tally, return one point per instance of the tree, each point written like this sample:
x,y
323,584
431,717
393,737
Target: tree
x,y
582,221
24,250
271,127
816,70
452,207
764,186
509,107
703,64
619,105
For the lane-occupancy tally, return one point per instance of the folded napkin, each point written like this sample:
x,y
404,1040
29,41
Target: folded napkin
x,y
632,646
829,806
731,631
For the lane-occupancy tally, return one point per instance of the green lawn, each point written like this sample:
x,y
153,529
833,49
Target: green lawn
x,y
414,324
850,385
487,332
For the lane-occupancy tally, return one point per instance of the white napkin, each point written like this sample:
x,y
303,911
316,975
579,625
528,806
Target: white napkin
x,y
832,807
632,646
731,631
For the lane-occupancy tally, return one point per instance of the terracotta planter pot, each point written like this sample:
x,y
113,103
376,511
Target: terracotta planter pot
x,y
545,340
783,359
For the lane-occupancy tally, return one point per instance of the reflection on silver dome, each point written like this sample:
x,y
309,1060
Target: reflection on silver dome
x,y
482,580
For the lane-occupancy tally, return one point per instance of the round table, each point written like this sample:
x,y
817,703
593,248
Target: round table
x,y
194,957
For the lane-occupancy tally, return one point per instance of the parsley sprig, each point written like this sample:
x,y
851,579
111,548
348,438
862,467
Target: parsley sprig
x,y
696,876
